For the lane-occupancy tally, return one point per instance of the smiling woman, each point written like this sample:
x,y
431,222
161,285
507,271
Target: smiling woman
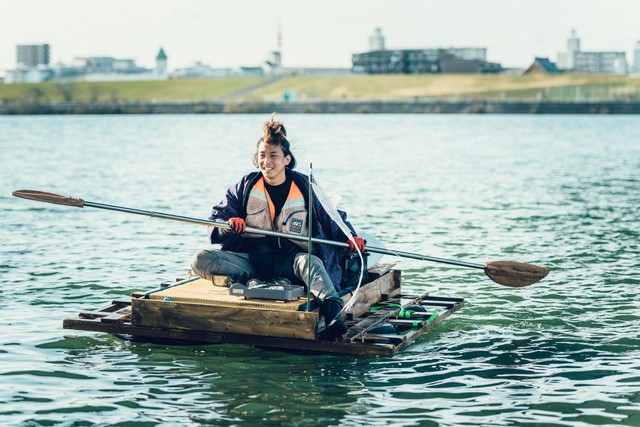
x,y
275,198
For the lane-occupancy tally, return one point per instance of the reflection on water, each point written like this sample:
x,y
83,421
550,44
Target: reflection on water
x,y
556,191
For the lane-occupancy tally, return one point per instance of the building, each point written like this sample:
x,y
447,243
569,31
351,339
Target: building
x,y
201,71
32,64
601,62
315,71
161,63
469,53
32,55
380,60
574,59
636,58
542,66
38,74
110,65
33,67
424,61
74,71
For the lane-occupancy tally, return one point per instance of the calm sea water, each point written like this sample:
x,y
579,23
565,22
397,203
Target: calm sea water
x,y
557,191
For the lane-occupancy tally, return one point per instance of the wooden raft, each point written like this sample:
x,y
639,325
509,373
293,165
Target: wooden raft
x,y
196,311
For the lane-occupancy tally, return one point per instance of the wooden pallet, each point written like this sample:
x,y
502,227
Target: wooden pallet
x,y
378,303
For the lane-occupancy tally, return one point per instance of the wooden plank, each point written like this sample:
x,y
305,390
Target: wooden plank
x,y
394,338
357,311
276,343
318,346
106,316
380,289
125,328
119,316
238,320
121,303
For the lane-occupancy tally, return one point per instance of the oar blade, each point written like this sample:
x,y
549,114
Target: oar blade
x,y
41,196
514,274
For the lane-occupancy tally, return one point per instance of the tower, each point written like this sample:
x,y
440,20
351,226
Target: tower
x,y
276,57
161,62
567,60
573,43
274,60
636,58
573,47
376,41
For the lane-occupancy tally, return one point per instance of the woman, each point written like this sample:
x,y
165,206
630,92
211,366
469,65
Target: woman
x,y
275,198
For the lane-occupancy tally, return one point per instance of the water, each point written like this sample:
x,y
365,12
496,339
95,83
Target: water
x,y
558,191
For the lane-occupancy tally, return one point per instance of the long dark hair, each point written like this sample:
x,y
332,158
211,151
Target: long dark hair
x,y
275,134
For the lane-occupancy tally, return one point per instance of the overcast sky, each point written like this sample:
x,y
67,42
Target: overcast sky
x,y
324,33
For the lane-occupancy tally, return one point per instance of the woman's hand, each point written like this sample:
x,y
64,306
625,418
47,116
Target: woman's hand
x,y
359,243
237,225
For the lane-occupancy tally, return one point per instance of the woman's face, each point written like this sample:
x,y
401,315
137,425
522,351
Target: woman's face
x,y
272,163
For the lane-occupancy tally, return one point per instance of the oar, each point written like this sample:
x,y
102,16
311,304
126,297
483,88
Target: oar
x,y
506,273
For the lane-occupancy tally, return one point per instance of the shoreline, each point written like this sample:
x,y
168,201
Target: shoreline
x,y
326,107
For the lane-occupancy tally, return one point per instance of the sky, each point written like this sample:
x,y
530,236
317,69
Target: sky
x,y
326,33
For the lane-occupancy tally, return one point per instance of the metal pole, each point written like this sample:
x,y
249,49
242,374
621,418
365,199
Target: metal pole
x,y
251,230
506,273
310,237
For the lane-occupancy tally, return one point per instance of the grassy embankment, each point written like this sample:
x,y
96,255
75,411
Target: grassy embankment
x,y
343,88
457,87
158,90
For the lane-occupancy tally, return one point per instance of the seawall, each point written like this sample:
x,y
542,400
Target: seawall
x,y
327,107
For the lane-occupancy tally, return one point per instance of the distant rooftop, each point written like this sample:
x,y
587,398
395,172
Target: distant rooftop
x,y
543,65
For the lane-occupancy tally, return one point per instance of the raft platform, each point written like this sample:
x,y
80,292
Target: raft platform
x,y
382,321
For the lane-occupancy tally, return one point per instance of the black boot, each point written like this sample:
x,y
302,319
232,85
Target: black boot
x,y
330,310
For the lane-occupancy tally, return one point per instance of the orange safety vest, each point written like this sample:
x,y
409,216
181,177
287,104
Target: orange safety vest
x,y
291,220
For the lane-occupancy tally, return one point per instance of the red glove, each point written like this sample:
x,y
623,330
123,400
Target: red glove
x,y
237,225
359,243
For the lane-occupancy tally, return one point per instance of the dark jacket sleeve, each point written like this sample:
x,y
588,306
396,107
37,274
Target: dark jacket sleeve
x,y
231,206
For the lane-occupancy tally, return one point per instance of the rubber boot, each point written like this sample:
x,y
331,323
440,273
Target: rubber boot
x,y
335,326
